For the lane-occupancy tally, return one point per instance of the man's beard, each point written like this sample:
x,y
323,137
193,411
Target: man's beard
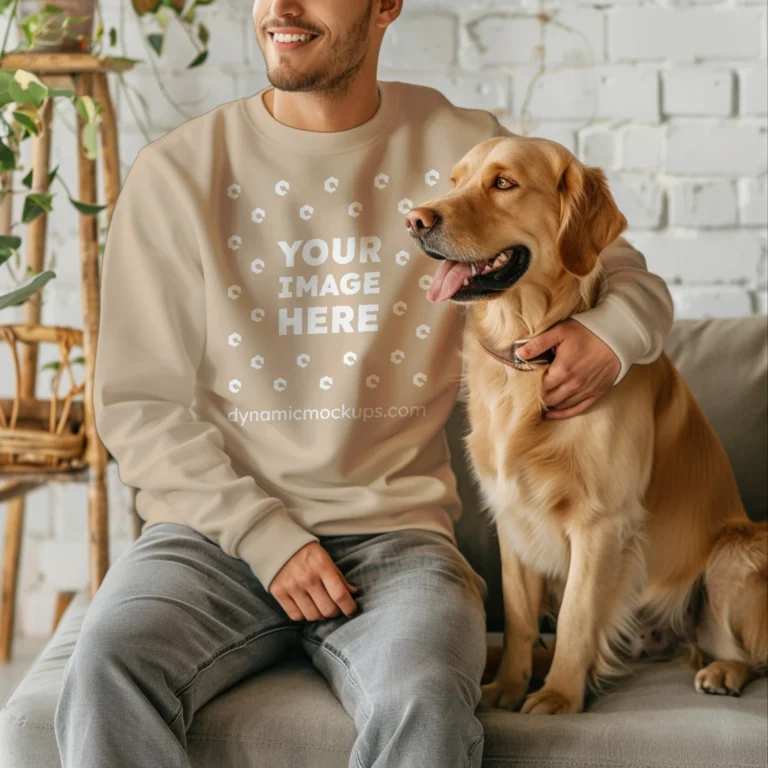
x,y
345,59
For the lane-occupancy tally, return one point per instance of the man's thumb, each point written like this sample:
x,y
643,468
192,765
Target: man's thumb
x,y
539,344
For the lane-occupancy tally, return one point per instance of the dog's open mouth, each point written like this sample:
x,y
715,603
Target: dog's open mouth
x,y
465,281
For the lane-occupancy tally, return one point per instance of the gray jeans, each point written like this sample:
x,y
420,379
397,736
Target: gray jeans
x,y
176,621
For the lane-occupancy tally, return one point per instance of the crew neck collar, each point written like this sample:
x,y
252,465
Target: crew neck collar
x,y
318,141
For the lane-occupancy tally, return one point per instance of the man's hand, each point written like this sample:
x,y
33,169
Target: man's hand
x,y
584,368
310,586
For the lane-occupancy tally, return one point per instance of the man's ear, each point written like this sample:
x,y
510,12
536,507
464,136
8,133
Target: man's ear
x,y
590,220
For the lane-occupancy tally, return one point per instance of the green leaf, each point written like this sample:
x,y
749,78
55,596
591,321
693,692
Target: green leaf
x,y
90,136
112,37
53,365
7,158
6,78
78,360
27,88
156,41
34,205
26,289
27,122
9,241
202,34
27,178
199,59
87,208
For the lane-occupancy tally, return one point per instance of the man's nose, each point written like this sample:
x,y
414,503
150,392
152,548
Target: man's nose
x,y
421,220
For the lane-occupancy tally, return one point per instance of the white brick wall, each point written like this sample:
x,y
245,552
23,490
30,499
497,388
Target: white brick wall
x,y
669,96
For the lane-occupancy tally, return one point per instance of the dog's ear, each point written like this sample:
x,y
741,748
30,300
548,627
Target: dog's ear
x,y
590,220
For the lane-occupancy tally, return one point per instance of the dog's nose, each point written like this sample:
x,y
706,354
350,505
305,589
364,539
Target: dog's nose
x,y
420,220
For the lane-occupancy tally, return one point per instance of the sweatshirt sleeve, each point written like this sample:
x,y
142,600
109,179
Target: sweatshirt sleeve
x,y
151,340
634,311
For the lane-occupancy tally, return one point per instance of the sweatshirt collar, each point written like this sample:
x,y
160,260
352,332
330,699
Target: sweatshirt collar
x,y
319,141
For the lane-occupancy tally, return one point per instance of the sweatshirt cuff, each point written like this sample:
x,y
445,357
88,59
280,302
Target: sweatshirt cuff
x,y
616,327
271,543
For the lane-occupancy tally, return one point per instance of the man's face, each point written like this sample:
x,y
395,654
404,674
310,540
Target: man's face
x,y
336,41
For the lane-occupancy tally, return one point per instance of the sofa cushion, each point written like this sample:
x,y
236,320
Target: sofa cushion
x,y
287,717
725,363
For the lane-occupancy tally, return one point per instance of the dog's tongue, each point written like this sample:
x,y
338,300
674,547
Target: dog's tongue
x,y
450,276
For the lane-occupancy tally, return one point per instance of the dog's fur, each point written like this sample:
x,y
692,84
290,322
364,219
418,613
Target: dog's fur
x,y
627,510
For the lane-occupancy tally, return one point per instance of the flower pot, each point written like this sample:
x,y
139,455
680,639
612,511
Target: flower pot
x,y
51,41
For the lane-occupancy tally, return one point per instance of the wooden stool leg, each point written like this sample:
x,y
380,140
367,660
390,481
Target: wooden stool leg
x,y
14,527
36,237
96,454
63,599
98,526
110,154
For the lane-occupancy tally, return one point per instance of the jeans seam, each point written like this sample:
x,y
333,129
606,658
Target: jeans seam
x,y
235,646
335,654
474,746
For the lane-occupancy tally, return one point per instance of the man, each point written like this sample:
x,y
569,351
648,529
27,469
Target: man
x,y
272,378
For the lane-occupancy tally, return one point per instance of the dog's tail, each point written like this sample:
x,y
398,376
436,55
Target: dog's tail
x,y
737,583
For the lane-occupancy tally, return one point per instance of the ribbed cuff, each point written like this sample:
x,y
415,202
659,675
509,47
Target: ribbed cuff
x,y
271,543
616,327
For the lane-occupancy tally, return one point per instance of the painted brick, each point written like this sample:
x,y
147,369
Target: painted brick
x,y
753,201
702,204
753,90
700,303
639,198
690,258
490,92
598,145
563,132
195,92
420,41
64,562
494,40
655,34
716,148
642,147
697,91
600,93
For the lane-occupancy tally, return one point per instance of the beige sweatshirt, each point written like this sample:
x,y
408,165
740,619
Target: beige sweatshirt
x,y
268,368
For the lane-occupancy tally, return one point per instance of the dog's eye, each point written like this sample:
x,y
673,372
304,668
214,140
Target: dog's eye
x,y
504,183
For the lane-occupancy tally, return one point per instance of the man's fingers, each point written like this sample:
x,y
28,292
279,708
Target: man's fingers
x,y
556,397
323,600
286,601
574,411
338,589
306,605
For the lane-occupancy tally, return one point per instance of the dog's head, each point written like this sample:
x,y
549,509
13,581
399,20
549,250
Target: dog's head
x,y
520,209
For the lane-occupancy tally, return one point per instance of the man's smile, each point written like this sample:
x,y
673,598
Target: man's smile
x,y
290,38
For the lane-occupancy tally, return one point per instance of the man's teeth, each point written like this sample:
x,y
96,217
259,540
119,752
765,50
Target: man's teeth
x,y
281,38
497,262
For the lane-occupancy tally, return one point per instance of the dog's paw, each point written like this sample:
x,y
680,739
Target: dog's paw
x,y
548,701
723,678
503,695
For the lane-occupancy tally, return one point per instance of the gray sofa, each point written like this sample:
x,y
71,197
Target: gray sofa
x,y
287,717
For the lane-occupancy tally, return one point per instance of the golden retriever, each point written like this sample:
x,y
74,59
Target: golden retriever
x,y
627,513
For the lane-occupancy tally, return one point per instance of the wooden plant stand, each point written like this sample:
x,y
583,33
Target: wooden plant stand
x,y
56,441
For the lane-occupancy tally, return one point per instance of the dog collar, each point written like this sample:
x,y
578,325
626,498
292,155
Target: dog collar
x,y
514,361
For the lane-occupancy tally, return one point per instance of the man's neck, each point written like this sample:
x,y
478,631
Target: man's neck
x,y
322,112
